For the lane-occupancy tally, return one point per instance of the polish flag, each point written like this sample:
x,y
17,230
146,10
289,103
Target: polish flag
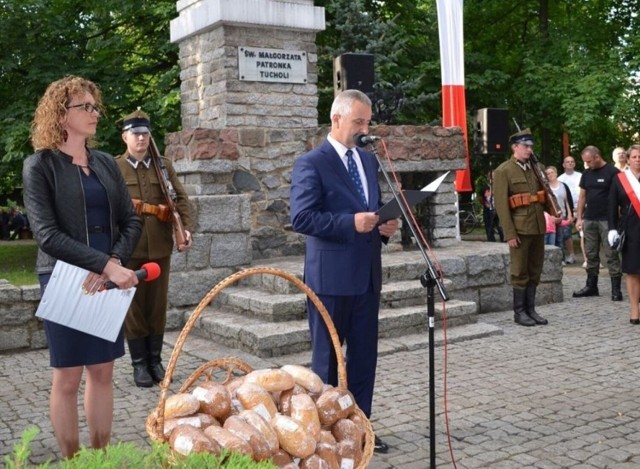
x,y
454,109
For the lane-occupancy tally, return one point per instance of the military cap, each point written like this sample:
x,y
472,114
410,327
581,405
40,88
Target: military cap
x,y
137,122
524,137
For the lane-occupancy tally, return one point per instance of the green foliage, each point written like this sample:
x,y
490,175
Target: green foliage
x,y
18,262
128,455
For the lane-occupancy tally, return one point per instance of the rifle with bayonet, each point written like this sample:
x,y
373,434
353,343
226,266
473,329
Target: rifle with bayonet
x,y
179,232
551,202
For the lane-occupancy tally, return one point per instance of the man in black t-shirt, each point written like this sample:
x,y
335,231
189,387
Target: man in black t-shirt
x,y
592,220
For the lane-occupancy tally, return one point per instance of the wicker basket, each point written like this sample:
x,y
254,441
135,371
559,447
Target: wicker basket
x,y
233,367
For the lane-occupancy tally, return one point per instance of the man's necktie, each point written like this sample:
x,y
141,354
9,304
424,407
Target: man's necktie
x,y
355,176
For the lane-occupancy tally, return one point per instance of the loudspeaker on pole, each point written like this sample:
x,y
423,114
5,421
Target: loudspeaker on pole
x,y
492,131
353,72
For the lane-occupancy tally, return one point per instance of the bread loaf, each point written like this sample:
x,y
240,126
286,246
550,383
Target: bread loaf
x,y
170,424
293,438
251,435
327,437
334,404
264,427
314,462
180,405
281,458
346,429
214,399
284,400
305,378
255,397
304,410
186,439
349,453
328,452
234,384
273,380
228,440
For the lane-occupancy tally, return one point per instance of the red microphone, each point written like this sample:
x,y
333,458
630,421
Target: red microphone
x,y
148,272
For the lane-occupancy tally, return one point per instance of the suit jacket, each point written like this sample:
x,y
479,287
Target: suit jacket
x,y
338,260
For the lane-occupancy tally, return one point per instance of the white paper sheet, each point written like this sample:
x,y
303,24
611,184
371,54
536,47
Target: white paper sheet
x,y
63,302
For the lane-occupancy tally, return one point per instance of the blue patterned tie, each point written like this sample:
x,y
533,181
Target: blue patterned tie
x,y
355,176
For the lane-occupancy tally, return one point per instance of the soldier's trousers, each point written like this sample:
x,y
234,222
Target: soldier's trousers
x,y
527,261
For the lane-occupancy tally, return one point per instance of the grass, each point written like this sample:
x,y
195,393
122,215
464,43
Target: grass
x,y
18,262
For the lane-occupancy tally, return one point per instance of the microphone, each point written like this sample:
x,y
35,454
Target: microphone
x,y
364,140
148,272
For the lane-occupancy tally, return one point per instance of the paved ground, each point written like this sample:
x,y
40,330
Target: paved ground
x,y
565,395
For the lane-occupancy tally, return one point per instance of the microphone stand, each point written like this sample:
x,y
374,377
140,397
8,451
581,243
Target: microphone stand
x,y
429,279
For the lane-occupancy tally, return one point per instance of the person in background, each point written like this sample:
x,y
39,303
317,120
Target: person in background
x,y
4,224
624,214
619,156
592,219
80,213
17,223
147,316
571,178
565,201
520,199
489,215
550,230
334,199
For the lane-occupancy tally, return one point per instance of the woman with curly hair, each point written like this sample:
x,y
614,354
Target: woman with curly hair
x,y
80,213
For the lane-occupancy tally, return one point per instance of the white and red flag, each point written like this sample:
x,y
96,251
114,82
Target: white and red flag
x,y
454,108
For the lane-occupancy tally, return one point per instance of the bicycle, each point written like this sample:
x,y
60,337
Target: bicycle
x,y
468,219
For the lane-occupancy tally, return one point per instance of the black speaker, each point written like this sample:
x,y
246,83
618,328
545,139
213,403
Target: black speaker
x,y
492,131
353,72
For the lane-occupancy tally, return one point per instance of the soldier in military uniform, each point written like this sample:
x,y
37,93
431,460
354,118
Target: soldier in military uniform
x,y
146,318
520,202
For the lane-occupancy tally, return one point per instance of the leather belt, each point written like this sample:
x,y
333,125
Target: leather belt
x,y
97,229
160,211
524,199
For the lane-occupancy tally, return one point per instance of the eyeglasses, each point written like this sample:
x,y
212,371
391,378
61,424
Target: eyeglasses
x,y
90,108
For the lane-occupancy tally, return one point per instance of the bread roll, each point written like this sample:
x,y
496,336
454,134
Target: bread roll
x,y
180,405
255,397
304,410
228,440
305,378
293,438
214,399
207,420
272,379
234,384
334,404
251,435
186,439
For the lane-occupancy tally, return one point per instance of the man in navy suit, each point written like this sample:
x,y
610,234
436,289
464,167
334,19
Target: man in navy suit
x,y
334,197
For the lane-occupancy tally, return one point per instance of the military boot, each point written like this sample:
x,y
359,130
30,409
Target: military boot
x,y
156,370
616,292
139,360
531,306
520,315
590,289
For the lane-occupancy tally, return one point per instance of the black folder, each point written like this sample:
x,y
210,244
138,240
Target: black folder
x,y
391,209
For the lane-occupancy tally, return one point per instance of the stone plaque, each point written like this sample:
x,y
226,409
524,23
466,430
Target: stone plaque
x,y
273,65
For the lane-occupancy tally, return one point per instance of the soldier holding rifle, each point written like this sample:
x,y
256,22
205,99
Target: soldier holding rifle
x,y
152,184
521,197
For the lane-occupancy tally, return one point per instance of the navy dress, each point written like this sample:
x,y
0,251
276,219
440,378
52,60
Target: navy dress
x,y
69,347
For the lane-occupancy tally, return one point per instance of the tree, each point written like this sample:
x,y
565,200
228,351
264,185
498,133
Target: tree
x,y
121,45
